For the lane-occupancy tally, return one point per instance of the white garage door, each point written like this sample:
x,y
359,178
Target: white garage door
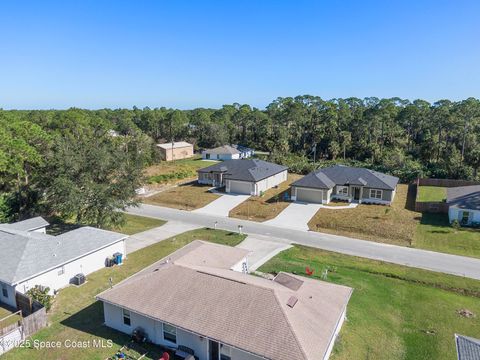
x,y
309,195
240,187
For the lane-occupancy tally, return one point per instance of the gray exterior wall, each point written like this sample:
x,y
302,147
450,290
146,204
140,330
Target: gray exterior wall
x,y
386,194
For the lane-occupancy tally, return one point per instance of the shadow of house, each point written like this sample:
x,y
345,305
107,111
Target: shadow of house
x,y
90,320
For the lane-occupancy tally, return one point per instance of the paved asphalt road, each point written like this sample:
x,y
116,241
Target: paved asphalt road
x,y
451,264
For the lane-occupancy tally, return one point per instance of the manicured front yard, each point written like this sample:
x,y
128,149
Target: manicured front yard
x,y
266,207
395,312
431,193
77,316
135,224
435,233
390,224
185,197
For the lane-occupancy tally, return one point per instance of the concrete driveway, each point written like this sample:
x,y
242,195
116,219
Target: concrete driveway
x,y
262,249
295,216
222,205
146,238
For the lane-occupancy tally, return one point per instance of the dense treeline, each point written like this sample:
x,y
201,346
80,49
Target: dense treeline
x,y
68,162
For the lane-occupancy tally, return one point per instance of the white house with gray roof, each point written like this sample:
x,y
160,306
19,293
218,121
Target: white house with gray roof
x,y
346,183
196,299
250,177
227,152
30,257
464,204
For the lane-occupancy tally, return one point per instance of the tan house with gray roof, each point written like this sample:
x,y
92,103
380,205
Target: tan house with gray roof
x,y
196,299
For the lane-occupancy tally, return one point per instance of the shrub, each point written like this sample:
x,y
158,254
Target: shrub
x,y
455,224
40,294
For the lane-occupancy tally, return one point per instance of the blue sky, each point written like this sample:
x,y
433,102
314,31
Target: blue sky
x,y
186,54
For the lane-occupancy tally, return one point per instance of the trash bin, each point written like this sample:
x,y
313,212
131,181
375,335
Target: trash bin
x,y
118,258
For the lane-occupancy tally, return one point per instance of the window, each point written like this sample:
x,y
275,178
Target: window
x,y
4,291
342,190
225,352
170,333
61,271
375,194
126,317
465,218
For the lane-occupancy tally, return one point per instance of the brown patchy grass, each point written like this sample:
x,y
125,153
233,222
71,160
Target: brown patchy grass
x,y
388,224
266,207
184,197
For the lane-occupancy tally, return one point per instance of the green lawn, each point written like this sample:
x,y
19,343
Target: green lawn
x,y
7,318
75,314
395,312
135,224
431,193
435,233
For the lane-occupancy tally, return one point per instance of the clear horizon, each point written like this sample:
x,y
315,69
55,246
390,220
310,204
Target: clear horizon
x,y
186,55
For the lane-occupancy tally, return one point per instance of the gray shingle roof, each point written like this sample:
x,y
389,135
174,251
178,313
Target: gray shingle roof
x,y
25,254
29,224
241,310
465,197
245,170
467,348
327,178
226,149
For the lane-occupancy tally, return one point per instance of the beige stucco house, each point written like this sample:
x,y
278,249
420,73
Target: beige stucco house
x,y
175,151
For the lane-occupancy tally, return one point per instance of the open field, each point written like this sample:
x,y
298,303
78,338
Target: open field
x,y
135,224
435,233
431,193
395,312
266,207
172,172
391,224
76,315
184,197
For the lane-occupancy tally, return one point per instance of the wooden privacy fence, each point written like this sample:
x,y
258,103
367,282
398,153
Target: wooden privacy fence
x,y
445,182
431,207
34,322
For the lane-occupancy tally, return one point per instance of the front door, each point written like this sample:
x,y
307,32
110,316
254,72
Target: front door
x,y
212,350
356,193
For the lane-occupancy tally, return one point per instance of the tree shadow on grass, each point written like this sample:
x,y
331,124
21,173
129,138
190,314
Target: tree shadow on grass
x,y
440,220
90,320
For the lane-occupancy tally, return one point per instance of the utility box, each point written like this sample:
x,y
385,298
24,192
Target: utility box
x,y
118,258
79,279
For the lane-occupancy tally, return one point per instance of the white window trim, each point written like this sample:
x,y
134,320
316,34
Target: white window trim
x,y
4,291
61,271
376,191
126,314
340,189
163,333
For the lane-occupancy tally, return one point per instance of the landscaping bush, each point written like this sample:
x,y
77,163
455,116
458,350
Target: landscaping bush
x,y
40,294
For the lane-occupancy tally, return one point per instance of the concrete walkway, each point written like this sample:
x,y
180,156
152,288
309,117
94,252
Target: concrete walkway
x,y
262,249
222,205
295,216
340,207
429,260
152,236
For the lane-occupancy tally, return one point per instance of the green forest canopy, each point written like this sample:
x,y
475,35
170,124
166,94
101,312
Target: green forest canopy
x,y
66,161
